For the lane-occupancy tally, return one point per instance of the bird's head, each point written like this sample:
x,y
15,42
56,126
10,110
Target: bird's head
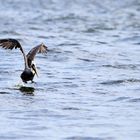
x,y
34,69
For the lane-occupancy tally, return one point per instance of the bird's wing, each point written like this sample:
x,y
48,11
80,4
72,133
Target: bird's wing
x,y
10,44
38,49
13,43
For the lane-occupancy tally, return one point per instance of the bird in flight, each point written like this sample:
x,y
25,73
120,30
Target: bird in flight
x,y
30,69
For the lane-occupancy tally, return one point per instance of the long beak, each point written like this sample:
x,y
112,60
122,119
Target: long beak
x,y
35,70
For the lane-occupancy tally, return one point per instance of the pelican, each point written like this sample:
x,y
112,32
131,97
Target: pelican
x,y
30,69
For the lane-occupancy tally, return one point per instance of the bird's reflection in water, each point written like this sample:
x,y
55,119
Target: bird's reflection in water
x,y
27,90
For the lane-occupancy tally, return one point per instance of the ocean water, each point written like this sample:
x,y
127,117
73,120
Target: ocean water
x,y
89,81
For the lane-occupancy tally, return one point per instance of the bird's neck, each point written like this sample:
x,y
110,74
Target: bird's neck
x,y
25,61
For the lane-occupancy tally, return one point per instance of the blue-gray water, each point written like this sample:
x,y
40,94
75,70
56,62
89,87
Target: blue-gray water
x,y
89,82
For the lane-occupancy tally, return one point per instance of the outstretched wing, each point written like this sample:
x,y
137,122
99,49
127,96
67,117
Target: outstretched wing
x,y
12,43
38,49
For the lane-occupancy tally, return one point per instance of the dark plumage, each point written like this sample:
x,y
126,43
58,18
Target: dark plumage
x,y
30,69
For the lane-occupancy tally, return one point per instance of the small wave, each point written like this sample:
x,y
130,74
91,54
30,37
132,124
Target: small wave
x,y
87,138
90,30
4,92
135,100
121,66
36,28
68,17
116,82
86,60
11,32
120,99
138,43
42,36
101,42
71,108
69,44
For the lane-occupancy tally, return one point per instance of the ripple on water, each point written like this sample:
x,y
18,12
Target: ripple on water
x,y
116,82
4,92
120,99
88,138
86,60
123,66
69,44
135,100
71,108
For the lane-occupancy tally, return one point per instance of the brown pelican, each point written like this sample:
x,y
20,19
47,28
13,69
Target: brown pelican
x,y
30,69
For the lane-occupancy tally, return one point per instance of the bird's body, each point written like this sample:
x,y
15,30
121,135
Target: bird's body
x,y
27,75
30,69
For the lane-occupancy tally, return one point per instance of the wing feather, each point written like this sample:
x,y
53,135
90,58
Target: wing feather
x,y
13,43
10,44
32,53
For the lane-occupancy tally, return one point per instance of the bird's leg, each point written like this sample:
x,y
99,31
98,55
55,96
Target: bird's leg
x,y
33,82
24,81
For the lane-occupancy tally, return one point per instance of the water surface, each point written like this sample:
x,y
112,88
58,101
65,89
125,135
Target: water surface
x,y
89,82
